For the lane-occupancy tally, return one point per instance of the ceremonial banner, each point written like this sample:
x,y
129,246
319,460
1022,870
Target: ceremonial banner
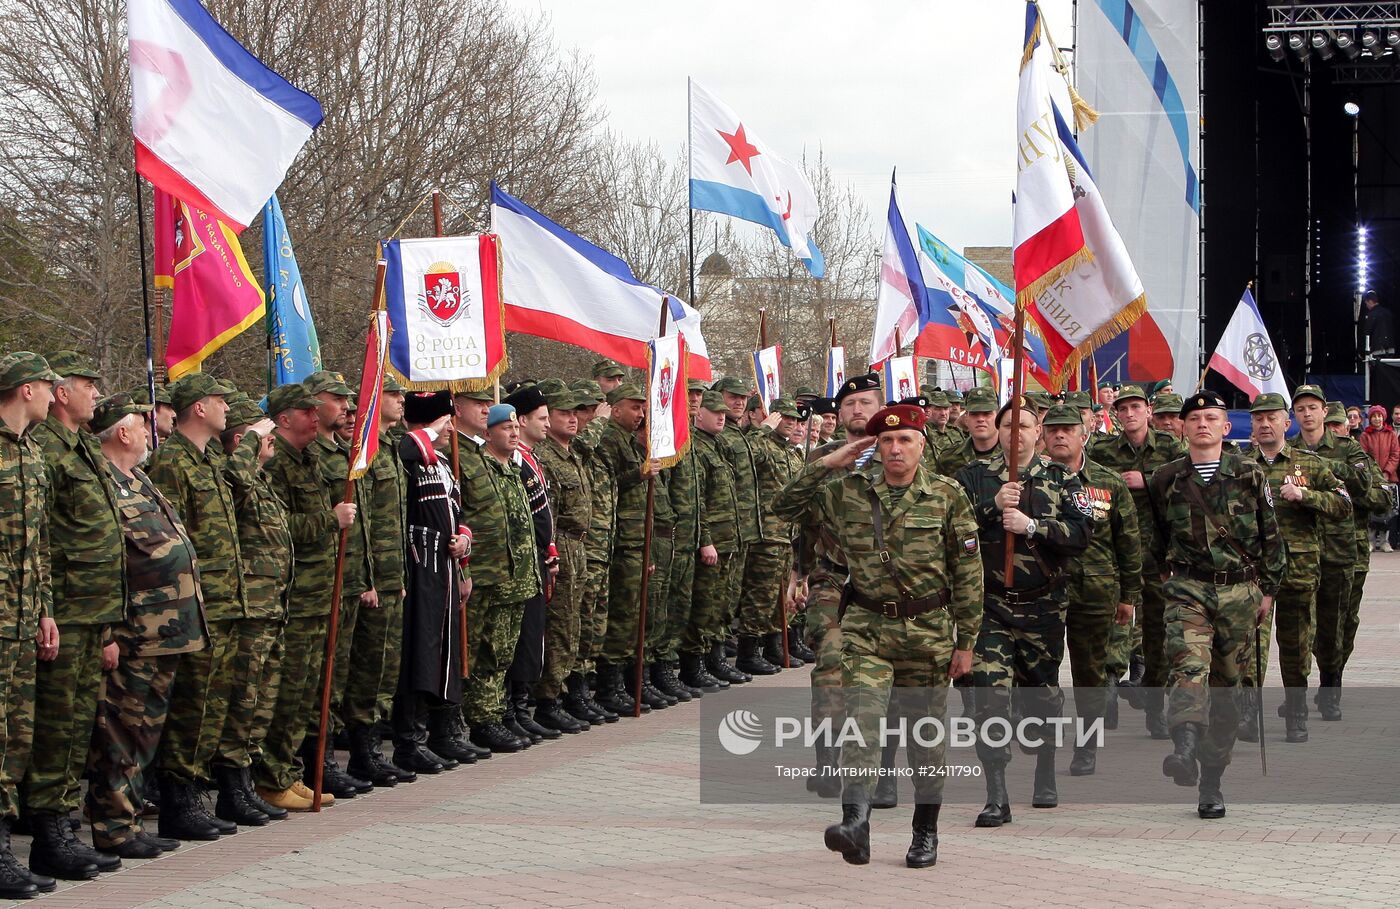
x,y
767,374
214,295
901,300
213,125
668,416
296,350
371,391
835,370
901,378
444,301
733,172
1245,355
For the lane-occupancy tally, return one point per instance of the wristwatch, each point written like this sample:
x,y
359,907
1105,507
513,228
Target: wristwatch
x,y
1031,527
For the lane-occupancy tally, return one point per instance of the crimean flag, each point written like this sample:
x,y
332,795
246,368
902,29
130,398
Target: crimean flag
x,y
768,374
668,417
214,295
371,391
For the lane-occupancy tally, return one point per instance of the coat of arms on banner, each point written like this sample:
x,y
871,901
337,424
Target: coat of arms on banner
x,y
444,298
666,384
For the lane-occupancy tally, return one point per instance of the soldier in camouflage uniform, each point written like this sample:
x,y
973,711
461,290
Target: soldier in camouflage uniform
x,y
1105,584
26,606
737,447
658,581
1166,413
165,412
1134,453
682,485
912,606
1306,494
295,478
608,375
938,430
88,569
164,619
597,545
189,471
1022,638
762,609
1217,535
981,443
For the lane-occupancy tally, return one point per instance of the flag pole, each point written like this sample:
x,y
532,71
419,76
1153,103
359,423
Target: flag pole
x,y
646,540
1013,454
146,306
334,629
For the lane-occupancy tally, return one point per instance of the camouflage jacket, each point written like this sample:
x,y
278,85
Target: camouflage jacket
x,y
264,535
1301,523
776,463
737,447
165,609
815,541
484,511
603,502
570,486
87,556
682,487
333,465
387,486
948,461
1354,467
1057,503
930,536
1119,455
521,579
1239,495
1110,571
296,479
622,458
719,514
26,591
937,440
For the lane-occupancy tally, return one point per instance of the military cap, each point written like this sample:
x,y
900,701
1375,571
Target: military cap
x,y
954,396
1039,400
1268,401
245,413
195,387
351,406
607,369
325,380
755,402
292,396
527,399
565,398
1026,404
1108,384
498,414
393,386
896,416
141,394
1205,399
785,407
1336,413
1166,402
980,400
71,363
1062,415
916,400
823,406
627,391
937,397
587,388
113,408
732,385
1129,393
22,367
804,391
551,386
868,382
927,390
692,385
1309,391
1079,399
480,394
804,409
421,407
713,401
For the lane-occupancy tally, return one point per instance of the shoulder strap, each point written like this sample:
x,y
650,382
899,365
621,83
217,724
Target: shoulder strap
x,y
1197,498
877,513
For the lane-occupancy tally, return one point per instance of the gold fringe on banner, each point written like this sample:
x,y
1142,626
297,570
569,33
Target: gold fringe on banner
x,y
1031,39
1028,296
1121,322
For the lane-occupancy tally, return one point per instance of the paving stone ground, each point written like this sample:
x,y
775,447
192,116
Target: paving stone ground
x,y
613,818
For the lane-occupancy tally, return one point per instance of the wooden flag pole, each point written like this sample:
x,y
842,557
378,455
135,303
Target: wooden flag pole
x,y
1013,454
646,539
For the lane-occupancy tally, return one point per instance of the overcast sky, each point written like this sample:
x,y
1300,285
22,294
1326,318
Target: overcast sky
x,y
928,86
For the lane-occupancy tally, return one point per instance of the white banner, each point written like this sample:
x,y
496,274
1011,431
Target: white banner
x,y
663,401
767,374
441,309
901,378
835,370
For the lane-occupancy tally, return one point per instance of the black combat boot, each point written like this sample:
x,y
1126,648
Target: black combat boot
x,y
15,882
1180,765
923,848
580,701
337,782
233,804
1043,791
179,819
668,683
520,700
797,645
694,674
366,762
651,696
851,837
1085,759
1248,730
1154,704
53,854
496,737
887,786
1210,803
1110,707
720,667
417,757
245,779
750,660
551,715
1296,722
612,694
997,811
825,780
773,652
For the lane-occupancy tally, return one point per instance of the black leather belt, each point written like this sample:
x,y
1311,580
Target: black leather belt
x,y
1217,578
903,609
1019,597
831,567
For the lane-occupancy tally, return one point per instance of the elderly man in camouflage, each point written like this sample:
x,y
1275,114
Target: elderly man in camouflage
x,y
1306,494
1105,585
913,600
1218,537
1022,638
165,618
27,628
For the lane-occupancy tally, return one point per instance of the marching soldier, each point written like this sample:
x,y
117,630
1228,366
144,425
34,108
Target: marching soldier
x,y
1218,538
913,603
979,422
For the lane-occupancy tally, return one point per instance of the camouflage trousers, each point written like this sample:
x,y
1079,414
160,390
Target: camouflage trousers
x,y
1088,625
563,622
1351,619
879,654
66,693
199,706
1124,642
823,635
658,594
765,578
1293,616
593,612
373,662
1333,608
1026,655
709,595
17,682
679,596
1210,641
130,719
624,595
493,632
252,690
303,657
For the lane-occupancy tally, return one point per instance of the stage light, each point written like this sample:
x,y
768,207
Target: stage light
x,y
1392,38
1298,43
1362,261
1370,39
1352,109
1346,43
1323,46
1275,45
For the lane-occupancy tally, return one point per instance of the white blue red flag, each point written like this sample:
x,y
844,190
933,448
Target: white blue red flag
x,y
901,300
366,435
835,370
1245,354
668,417
768,374
214,127
733,172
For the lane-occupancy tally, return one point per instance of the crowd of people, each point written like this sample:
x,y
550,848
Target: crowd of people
x,y
171,568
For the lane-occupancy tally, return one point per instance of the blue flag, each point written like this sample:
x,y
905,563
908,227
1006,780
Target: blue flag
x,y
296,352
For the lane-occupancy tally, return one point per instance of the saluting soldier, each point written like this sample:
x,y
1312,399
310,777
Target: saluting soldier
x,y
1218,538
913,604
